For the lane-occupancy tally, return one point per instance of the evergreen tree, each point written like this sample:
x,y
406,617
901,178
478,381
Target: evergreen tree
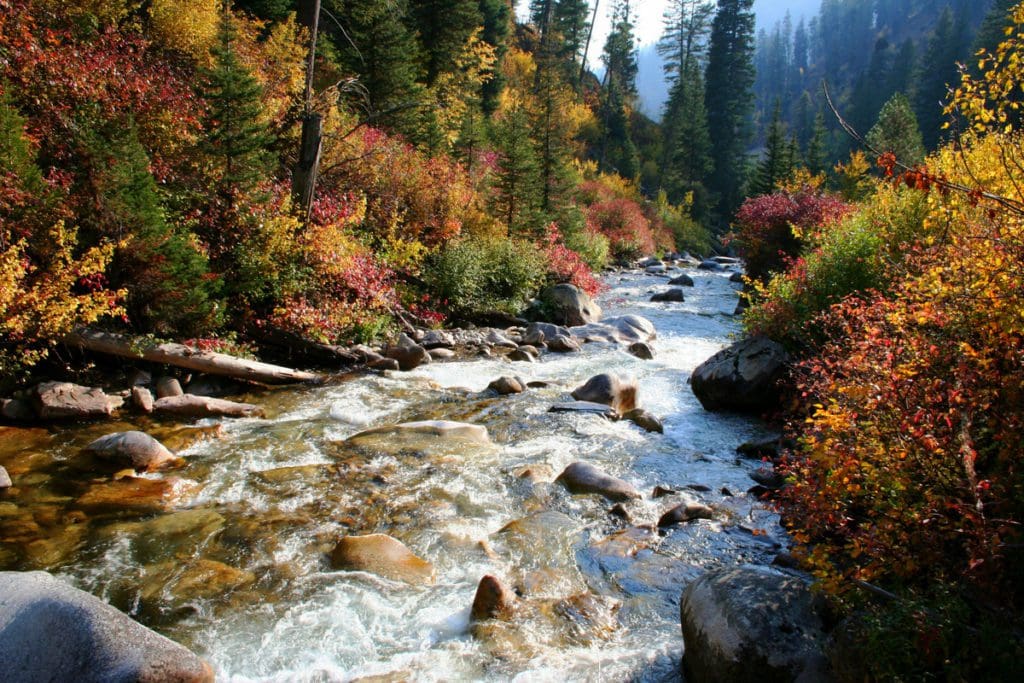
x,y
938,69
570,19
236,141
516,181
618,151
274,10
729,99
497,22
896,131
685,36
777,163
378,47
554,147
687,142
817,147
992,28
443,26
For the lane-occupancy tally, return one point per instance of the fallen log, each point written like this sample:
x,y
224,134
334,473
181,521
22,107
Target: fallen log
x,y
187,357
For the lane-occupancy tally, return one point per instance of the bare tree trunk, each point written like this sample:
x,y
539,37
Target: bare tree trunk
x,y
183,356
586,48
305,172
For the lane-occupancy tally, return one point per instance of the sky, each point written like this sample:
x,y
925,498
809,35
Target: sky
x,y
649,18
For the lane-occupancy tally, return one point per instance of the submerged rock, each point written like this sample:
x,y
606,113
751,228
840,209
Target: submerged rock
x,y
584,407
751,624
189,405
507,385
642,350
617,391
136,494
582,477
50,631
429,430
672,295
686,512
741,377
64,400
134,449
645,420
523,354
382,555
493,600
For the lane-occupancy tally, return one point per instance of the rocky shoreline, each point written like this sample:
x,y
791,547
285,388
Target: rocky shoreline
x,y
738,378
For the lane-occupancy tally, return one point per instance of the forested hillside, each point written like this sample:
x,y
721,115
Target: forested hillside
x,y
155,178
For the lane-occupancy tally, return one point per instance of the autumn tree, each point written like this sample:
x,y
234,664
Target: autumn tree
x,y
896,131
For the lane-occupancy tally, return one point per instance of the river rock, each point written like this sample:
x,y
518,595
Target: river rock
x,y
507,385
383,364
198,579
685,512
568,305
409,356
142,399
672,295
548,330
534,336
582,477
741,377
138,495
188,405
618,391
212,385
645,420
642,350
624,329
16,410
768,477
50,631
584,407
426,430
438,339
649,261
493,600
5,479
710,265
736,278
561,343
64,400
168,386
524,354
134,449
683,280
656,269
499,340
751,624
382,555
441,353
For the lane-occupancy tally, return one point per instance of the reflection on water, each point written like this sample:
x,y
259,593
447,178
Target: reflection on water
x,y
234,563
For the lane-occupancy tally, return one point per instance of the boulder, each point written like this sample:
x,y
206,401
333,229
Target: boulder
x,y
189,405
736,278
212,385
168,386
710,265
642,350
16,410
624,329
617,391
507,385
656,269
685,512
137,450
50,631
499,340
672,295
437,431
5,479
683,280
545,330
382,555
645,420
561,343
751,624
581,477
493,600
524,354
409,355
142,398
138,495
568,305
64,400
441,353
741,377
383,364
438,339
649,261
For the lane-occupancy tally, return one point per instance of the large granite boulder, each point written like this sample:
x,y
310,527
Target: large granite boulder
x,y
626,329
50,631
582,477
741,377
134,449
382,555
618,391
568,305
751,624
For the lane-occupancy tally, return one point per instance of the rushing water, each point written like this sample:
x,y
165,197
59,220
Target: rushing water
x,y
241,575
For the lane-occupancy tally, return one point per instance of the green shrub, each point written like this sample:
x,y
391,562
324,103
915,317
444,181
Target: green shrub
x,y
478,274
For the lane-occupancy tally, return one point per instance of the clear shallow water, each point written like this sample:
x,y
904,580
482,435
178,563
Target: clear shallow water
x,y
240,574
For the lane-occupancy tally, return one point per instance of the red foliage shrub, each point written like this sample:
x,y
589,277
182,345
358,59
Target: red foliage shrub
x,y
623,222
769,227
565,265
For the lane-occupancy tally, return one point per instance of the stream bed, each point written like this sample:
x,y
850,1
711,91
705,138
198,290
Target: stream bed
x,y
239,570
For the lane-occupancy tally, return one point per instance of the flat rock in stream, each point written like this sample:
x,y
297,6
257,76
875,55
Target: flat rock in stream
x,y
134,449
189,405
685,512
382,555
584,407
673,295
138,495
50,631
645,420
67,401
582,477
436,431
625,329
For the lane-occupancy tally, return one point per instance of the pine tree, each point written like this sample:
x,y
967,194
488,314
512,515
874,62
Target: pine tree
x,y
516,181
274,10
817,147
443,26
729,100
497,22
896,131
687,142
777,163
378,47
570,20
685,36
992,31
618,151
937,71
236,140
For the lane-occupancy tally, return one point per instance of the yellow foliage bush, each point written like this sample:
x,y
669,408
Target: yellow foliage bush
x,y
189,26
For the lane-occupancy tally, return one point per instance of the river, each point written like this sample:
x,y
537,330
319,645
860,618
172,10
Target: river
x,y
240,574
